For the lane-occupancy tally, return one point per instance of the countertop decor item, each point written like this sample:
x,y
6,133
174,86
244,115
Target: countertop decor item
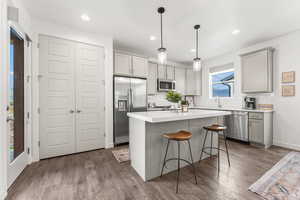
x,y
288,90
173,96
288,77
282,181
184,106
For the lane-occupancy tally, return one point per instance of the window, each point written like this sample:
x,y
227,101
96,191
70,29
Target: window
x,y
222,83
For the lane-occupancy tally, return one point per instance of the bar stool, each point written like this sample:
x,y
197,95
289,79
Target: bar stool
x,y
218,129
178,137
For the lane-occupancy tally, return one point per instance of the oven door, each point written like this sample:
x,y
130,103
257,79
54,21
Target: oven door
x,y
165,85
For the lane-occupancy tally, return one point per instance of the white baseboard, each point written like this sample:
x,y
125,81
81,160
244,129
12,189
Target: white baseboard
x,y
3,195
110,145
287,145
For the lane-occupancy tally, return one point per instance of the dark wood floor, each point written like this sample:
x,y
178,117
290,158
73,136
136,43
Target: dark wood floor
x,y
97,175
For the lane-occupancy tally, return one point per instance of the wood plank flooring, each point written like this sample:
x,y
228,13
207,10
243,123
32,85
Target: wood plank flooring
x,y
97,175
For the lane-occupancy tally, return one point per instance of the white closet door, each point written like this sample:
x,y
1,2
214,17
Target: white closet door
x,y
89,98
57,99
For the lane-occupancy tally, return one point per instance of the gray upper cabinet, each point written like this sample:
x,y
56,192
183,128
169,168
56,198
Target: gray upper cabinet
x,y
139,66
161,72
170,73
152,78
130,65
122,64
180,80
257,71
193,82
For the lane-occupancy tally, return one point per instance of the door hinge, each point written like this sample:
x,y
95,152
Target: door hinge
x,y
39,110
28,150
28,78
39,143
28,115
104,56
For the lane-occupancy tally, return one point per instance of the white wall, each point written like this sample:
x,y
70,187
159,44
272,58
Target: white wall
x,y
286,58
62,31
3,99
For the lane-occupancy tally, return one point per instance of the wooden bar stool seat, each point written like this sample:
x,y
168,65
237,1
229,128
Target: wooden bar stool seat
x,y
215,127
179,137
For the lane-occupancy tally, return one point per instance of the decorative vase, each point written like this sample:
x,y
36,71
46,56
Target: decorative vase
x,y
184,108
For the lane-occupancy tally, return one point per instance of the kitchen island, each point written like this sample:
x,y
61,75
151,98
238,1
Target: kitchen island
x,y
147,146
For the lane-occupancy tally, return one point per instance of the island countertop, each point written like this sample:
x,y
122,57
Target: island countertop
x,y
166,116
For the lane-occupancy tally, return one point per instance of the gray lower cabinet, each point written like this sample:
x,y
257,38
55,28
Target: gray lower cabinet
x,y
256,131
260,127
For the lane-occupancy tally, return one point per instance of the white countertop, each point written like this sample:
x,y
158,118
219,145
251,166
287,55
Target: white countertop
x,y
165,116
231,109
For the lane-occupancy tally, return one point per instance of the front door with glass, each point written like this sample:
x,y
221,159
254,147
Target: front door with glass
x,y
17,155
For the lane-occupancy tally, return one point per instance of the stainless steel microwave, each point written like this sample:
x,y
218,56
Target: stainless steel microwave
x,y
164,85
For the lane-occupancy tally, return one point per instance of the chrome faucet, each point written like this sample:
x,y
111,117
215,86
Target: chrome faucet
x,y
219,102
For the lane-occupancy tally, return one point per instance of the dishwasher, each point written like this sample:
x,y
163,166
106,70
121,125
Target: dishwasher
x,y
237,126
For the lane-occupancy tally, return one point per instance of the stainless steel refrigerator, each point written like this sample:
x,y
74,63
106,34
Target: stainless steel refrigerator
x,y
130,95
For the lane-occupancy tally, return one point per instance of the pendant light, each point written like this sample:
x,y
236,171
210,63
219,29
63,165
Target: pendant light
x,y
162,52
197,61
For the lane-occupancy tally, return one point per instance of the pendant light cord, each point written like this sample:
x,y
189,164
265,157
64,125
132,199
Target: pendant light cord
x,y
161,31
197,43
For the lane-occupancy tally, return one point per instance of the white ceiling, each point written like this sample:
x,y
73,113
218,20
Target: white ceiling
x,y
131,22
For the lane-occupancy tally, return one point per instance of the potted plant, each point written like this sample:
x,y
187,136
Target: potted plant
x,y
173,97
184,106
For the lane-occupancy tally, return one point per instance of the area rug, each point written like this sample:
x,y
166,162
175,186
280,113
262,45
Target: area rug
x,y
281,182
121,155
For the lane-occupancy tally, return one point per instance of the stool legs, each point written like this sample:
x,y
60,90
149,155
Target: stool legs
x,y
178,162
192,162
218,155
162,169
203,146
178,166
217,148
211,143
225,140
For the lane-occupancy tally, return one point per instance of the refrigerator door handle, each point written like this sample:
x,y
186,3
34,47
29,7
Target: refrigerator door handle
x,y
129,101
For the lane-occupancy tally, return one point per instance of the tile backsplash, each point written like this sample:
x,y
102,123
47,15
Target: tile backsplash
x,y
159,99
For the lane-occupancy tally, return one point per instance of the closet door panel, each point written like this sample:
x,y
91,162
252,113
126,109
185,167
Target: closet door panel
x,y
57,98
90,94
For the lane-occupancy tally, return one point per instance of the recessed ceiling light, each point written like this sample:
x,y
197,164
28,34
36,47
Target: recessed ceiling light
x,y
193,50
85,17
152,38
236,32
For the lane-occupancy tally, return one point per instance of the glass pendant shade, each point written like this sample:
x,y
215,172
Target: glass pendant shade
x,y
162,56
197,64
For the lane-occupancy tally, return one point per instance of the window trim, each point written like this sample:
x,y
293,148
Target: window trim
x,y
211,83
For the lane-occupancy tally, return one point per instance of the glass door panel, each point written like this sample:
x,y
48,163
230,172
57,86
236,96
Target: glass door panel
x,y
16,97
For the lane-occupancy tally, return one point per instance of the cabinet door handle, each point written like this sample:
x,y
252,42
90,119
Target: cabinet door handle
x,y
78,111
72,111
